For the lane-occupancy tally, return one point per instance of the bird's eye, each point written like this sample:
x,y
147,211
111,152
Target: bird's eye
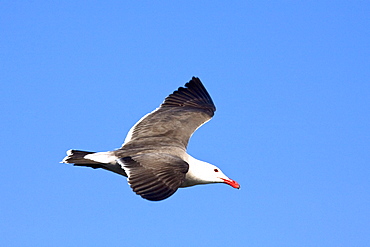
x,y
216,170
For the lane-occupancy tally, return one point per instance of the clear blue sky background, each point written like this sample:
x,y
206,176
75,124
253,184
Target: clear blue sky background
x,y
291,82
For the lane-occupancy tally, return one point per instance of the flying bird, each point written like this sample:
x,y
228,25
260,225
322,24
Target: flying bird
x,y
153,156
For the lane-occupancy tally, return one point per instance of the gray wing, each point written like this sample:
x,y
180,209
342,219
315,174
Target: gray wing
x,y
178,116
154,176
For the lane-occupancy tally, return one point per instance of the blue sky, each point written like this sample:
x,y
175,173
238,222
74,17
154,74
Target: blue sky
x,y
290,80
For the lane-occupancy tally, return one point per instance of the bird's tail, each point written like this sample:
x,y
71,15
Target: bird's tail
x,y
77,158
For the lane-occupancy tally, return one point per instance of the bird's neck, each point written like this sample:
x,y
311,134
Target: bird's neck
x,y
195,172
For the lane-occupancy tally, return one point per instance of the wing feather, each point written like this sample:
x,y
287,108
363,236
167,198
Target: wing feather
x,y
154,176
181,113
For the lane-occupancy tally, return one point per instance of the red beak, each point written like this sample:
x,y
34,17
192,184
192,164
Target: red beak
x,y
232,183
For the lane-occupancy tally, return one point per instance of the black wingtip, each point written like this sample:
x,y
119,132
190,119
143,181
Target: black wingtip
x,y
193,95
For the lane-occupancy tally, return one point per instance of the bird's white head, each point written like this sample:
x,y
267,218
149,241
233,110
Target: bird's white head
x,y
201,172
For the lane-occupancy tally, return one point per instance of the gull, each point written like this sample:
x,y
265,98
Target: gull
x,y
153,156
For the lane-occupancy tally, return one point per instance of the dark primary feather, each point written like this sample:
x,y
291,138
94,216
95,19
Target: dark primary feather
x,y
181,113
154,176
194,95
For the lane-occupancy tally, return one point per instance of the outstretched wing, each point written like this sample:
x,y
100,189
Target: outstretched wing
x,y
154,176
178,116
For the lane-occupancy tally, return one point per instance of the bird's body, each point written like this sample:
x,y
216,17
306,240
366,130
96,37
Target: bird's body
x,y
154,156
